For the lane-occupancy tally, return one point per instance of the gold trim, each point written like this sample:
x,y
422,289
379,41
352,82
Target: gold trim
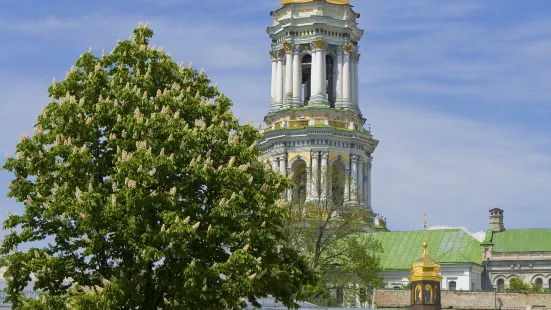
x,y
319,44
287,47
349,47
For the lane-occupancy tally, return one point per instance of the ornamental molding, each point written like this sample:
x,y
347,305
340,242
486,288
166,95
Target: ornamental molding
x,y
275,55
348,48
287,47
319,44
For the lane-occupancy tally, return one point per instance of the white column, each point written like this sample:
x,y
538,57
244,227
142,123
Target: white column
x,y
275,164
339,77
346,185
314,74
324,182
322,74
352,80
279,81
288,94
356,82
335,79
314,188
273,56
297,77
361,195
346,78
368,189
283,164
354,179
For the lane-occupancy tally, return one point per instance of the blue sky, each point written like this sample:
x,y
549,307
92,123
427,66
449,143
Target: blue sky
x,y
458,91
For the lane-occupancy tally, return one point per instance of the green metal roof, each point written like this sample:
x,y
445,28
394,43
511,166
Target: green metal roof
x,y
522,240
446,246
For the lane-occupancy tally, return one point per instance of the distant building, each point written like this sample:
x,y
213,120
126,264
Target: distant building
x,y
457,252
466,263
515,253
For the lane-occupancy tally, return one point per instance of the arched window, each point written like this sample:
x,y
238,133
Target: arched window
x,y
300,179
330,80
500,285
539,283
306,78
337,183
452,285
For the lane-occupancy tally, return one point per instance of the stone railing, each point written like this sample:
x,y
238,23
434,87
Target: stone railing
x,y
300,123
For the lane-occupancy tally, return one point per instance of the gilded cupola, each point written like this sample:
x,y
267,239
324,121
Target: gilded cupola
x,y
425,268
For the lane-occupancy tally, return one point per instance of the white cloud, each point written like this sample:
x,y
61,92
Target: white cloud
x,y
479,235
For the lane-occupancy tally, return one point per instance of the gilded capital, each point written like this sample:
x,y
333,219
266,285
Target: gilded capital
x,y
319,44
348,48
288,47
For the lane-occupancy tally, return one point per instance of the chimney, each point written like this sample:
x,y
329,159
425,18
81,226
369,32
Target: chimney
x,y
496,220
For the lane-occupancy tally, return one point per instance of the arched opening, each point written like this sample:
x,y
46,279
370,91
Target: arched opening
x,y
306,65
329,81
300,179
500,285
539,283
452,285
337,183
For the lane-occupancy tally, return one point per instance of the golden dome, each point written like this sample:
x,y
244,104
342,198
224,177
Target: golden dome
x,y
425,268
283,2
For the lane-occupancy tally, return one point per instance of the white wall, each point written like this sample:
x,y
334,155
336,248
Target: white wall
x,y
463,274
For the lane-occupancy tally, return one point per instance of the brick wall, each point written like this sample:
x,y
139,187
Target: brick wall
x,y
386,298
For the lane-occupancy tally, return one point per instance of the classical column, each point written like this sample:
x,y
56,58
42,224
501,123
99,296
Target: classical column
x,y
368,189
275,164
297,77
346,75
338,89
313,74
356,83
314,178
361,196
324,175
352,80
273,56
354,179
346,185
321,66
318,96
279,81
288,93
323,75
283,164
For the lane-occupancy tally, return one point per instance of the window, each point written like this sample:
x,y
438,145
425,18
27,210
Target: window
x,y
452,285
539,283
500,285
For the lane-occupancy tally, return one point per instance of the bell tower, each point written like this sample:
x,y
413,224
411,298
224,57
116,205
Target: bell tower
x,y
314,126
